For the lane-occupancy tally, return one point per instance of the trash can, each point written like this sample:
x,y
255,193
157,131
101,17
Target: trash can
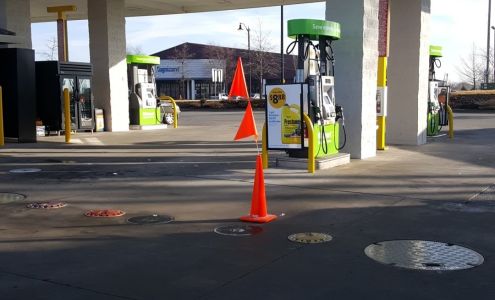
x,y
100,120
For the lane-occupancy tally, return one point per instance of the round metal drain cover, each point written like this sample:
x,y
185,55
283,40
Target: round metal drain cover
x,y
310,238
104,213
25,170
238,230
46,205
151,219
10,197
424,255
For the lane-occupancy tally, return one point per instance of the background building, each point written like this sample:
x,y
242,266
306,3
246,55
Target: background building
x,y
186,70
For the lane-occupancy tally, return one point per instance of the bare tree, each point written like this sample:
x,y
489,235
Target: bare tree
x,y
222,58
52,49
472,68
181,54
134,50
261,63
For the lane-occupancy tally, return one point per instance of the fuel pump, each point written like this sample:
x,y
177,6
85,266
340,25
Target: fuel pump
x,y
312,93
143,105
438,96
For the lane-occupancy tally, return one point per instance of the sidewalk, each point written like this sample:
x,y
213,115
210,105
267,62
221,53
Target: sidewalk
x,y
443,191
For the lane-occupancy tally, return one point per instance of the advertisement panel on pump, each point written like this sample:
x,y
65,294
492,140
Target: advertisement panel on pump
x,y
284,116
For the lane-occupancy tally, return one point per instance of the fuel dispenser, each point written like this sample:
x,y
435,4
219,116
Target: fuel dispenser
x,y
438,96
312,94
145,110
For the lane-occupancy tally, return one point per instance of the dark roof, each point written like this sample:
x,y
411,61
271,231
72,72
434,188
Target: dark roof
x,y
201,51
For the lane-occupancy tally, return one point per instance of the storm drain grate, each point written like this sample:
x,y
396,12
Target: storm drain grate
x,y
151,219
28,170
310,238
10,197
238,230
424,255
104,213
46,205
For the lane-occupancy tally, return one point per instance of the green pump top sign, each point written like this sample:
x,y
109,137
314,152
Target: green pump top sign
x,y
313,28
143,59
436,51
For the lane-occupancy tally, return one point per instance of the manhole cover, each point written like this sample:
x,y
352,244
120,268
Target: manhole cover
x,y
10,197
424,255
151,219
25,170
238,230
310,238
104,213
46,205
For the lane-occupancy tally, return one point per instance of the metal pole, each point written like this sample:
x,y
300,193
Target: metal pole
x,y
2,139
249,58
67,115
282,73
493,27
488,42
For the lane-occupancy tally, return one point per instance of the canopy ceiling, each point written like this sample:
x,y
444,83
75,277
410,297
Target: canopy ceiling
x,y
136,8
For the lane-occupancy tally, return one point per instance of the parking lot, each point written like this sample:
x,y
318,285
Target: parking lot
x,y
443,191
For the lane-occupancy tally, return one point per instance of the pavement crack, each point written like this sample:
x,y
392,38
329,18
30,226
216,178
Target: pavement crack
x,y
483,191
244,275
309,188
67,285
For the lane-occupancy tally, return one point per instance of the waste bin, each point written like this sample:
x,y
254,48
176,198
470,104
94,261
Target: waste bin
x,y
100,120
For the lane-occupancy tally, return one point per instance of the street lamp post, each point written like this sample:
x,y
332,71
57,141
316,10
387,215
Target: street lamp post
x,y
488,42
243,26
493,27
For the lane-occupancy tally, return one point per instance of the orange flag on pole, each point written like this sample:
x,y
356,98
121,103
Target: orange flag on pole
x,y
248,125
239,87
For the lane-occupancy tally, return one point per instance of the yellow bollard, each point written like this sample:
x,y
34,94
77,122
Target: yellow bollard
x,y
2,139
67,115
380,133
311,150
451,121
174,106
264,148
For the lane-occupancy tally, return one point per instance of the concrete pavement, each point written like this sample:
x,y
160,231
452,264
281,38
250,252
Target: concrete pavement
x,y
198,175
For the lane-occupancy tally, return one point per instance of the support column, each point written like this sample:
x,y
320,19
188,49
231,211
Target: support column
x,y
408,71
355,71
193,89
15,15
107,45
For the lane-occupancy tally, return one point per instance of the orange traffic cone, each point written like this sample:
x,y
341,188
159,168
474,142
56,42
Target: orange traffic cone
x,y
239,87
258,201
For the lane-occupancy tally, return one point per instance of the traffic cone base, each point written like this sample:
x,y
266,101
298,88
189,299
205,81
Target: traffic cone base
x,y
257,219
258,213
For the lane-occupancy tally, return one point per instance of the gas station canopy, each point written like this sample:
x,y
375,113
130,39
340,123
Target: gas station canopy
x,y
136,8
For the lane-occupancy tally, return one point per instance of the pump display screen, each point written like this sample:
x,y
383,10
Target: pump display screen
x,y
284,119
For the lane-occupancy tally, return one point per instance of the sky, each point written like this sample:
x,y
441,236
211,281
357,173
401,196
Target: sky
x,y
455,25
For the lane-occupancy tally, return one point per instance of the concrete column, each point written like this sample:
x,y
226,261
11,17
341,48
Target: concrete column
x,y
408,71
15,15
107,47
193,89
356,57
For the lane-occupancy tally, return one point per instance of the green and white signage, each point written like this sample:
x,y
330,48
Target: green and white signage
x,y
436,51
314,29
143,59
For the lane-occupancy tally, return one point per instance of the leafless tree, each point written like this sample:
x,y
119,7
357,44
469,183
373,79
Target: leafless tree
x,y
181,54
472,68
261,63
134,50
222,58
52,49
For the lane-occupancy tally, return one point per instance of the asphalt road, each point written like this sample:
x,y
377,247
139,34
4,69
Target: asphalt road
x,y
443,191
